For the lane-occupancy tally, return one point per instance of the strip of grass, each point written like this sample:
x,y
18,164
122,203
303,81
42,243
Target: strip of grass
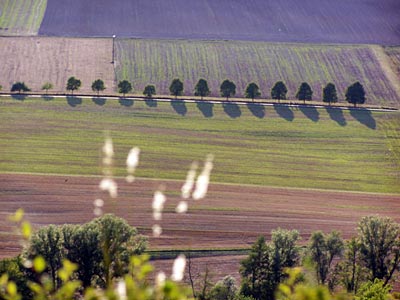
x,y
276,146
160,61
21,17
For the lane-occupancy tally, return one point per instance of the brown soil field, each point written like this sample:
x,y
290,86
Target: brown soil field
x,y
36,60
232,216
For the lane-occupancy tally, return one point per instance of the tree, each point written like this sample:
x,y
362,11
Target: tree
x,y
279,91
374,290
124,87
201,89
264,269
305,92
355,94
224,289
227,89
19,87
47,86
98,86
323,249
73,84
329,94
380,246
252,91
149,91
176,87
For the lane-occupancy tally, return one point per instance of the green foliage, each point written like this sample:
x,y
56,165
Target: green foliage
x,y
19,87
279,91
329,93
149,91
176,87
380,246
227,89
355,94
73,84
304,92
47,86
15,272
252,91
201,89
323,249
374,290
124,87
98,86
224,289
263,270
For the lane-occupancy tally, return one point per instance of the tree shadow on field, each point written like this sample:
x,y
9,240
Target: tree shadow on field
x,y
257,110
336,115
99,101
206,108
179,106
310,112
364,116
151,102
232,110
125,102
284,112
19,97
74,101
47,98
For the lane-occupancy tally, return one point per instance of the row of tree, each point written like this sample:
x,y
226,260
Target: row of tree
x,y
355,93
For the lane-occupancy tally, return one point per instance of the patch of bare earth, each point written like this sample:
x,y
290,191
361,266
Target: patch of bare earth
x,y
36,60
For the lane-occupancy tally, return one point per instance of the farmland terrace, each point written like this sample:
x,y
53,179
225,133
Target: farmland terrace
x,y
311,21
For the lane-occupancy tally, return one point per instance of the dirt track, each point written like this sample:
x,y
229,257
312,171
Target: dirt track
x,y
232,216
36,60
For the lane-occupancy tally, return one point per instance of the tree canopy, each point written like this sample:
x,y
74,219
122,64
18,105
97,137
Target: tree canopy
x,y
252,91
227,89
149,91
329,93
98,86
47,86
19,87
73,84
355,94
176,87
201,89
279,91
305,92
124,87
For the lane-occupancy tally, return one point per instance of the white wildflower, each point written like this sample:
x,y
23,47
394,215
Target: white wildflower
x,y
98,203
157,230
158,204
178,268
108,148
130,178
182,207
121,290
132,160
203,179
108,184
160,279
189,183
97,211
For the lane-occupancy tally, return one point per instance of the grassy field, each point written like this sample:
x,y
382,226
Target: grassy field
x,y
272,146
19,17
159,61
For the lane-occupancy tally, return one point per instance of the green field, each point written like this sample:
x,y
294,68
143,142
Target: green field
x,y
159,61
19,17
275,146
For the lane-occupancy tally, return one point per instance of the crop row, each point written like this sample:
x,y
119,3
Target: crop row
x,y
158,62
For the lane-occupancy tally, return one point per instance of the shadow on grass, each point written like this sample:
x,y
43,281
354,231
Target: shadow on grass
x,y
74,101
179,106
257,110
206,108
47,98
284,112
99,101
232,110
125,102
336,115
19,97
310,112
150,102
364,116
